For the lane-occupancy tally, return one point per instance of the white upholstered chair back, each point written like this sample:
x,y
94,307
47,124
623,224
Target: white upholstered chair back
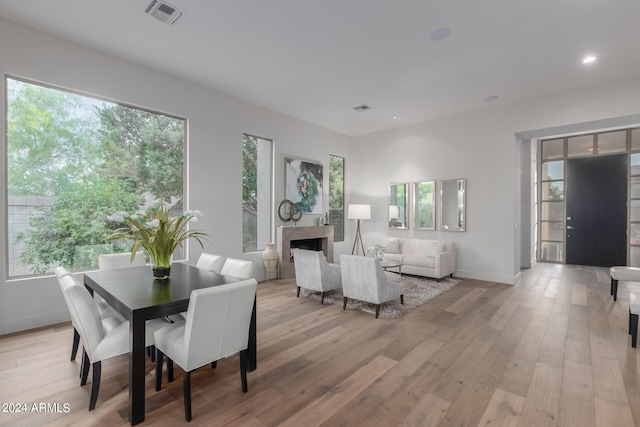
x,y
314,272
66,281
208,261
61,271
238,268
364,279
86,318
217,324
123,260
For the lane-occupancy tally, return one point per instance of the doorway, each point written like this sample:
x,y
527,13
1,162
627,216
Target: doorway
x,y
596,210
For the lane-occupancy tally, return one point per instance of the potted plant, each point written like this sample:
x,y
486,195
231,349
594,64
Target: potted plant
x,y
157,231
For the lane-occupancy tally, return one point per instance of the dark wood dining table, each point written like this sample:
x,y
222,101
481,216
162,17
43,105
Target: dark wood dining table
x,y
138,297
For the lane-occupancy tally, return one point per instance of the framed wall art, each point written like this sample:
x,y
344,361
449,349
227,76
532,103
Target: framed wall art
x,y
303,184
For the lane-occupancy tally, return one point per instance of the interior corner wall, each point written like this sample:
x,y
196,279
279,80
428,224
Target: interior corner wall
x,y
479,146
216,124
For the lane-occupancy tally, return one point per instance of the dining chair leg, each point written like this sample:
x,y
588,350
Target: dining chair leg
x,y
187,395
84,372
214,364
152,353
169,370
634,330
159,357
95,384
243,370
322,298
344,303
298,292
377,310
76,343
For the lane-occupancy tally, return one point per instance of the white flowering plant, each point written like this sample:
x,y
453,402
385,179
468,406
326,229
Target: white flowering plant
x,y
376,251
153,228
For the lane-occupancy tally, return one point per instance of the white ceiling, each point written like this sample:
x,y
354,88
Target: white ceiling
x,y
316,60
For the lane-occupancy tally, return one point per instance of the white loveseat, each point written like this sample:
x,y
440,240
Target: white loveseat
x,y
422,257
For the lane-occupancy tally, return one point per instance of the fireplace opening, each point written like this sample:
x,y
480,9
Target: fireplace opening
x,y
309,244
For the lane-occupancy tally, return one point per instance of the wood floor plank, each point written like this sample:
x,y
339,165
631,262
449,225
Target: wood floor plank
x,y
541,402
503,410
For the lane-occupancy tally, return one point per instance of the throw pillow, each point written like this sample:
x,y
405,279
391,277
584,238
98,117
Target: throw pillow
x,y
433,249
392,245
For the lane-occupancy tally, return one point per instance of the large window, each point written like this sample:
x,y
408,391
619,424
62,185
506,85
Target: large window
x,y
336,196
71,161
257,205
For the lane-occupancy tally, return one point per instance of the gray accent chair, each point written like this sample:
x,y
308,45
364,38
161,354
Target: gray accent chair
x,y
364,279
315,273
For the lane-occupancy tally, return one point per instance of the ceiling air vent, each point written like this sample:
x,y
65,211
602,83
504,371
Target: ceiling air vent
x,y
164,12
362,108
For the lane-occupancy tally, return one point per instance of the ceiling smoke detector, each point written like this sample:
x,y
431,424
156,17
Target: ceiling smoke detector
x,y
164,12
362,108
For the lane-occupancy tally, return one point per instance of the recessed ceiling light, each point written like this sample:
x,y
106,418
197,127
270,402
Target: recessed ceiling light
x,y
361,108
440,34
394,117
589,59
490,98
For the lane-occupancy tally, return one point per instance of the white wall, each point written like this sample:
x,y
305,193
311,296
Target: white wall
x,y
216,124
485,147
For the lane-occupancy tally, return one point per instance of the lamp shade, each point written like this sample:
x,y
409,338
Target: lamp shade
x,y
394,212
359,212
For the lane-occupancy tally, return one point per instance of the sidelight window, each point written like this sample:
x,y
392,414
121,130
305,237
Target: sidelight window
x,y
257,193
336,196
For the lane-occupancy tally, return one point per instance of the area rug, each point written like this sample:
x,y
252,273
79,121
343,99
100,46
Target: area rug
x,y
417,291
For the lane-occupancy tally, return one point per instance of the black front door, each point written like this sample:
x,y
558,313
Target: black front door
x,y
596,198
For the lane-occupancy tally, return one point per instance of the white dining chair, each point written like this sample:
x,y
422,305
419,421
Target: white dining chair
x,y
238,268
216,327
105,309
123,260
109,321
208,261
99,342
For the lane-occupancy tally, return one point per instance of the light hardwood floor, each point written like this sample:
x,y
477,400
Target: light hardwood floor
x,y
553,350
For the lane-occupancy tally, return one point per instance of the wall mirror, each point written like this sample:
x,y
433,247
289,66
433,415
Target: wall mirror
x,y
424,205
398,198
453,215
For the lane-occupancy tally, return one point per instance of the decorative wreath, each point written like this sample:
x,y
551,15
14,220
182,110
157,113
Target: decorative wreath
x,y
289,211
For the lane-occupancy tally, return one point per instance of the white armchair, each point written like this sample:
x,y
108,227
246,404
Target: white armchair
x,y
208,261
364,279
217,326
315,273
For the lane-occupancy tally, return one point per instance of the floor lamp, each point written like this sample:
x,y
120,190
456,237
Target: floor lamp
x,y
358,212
